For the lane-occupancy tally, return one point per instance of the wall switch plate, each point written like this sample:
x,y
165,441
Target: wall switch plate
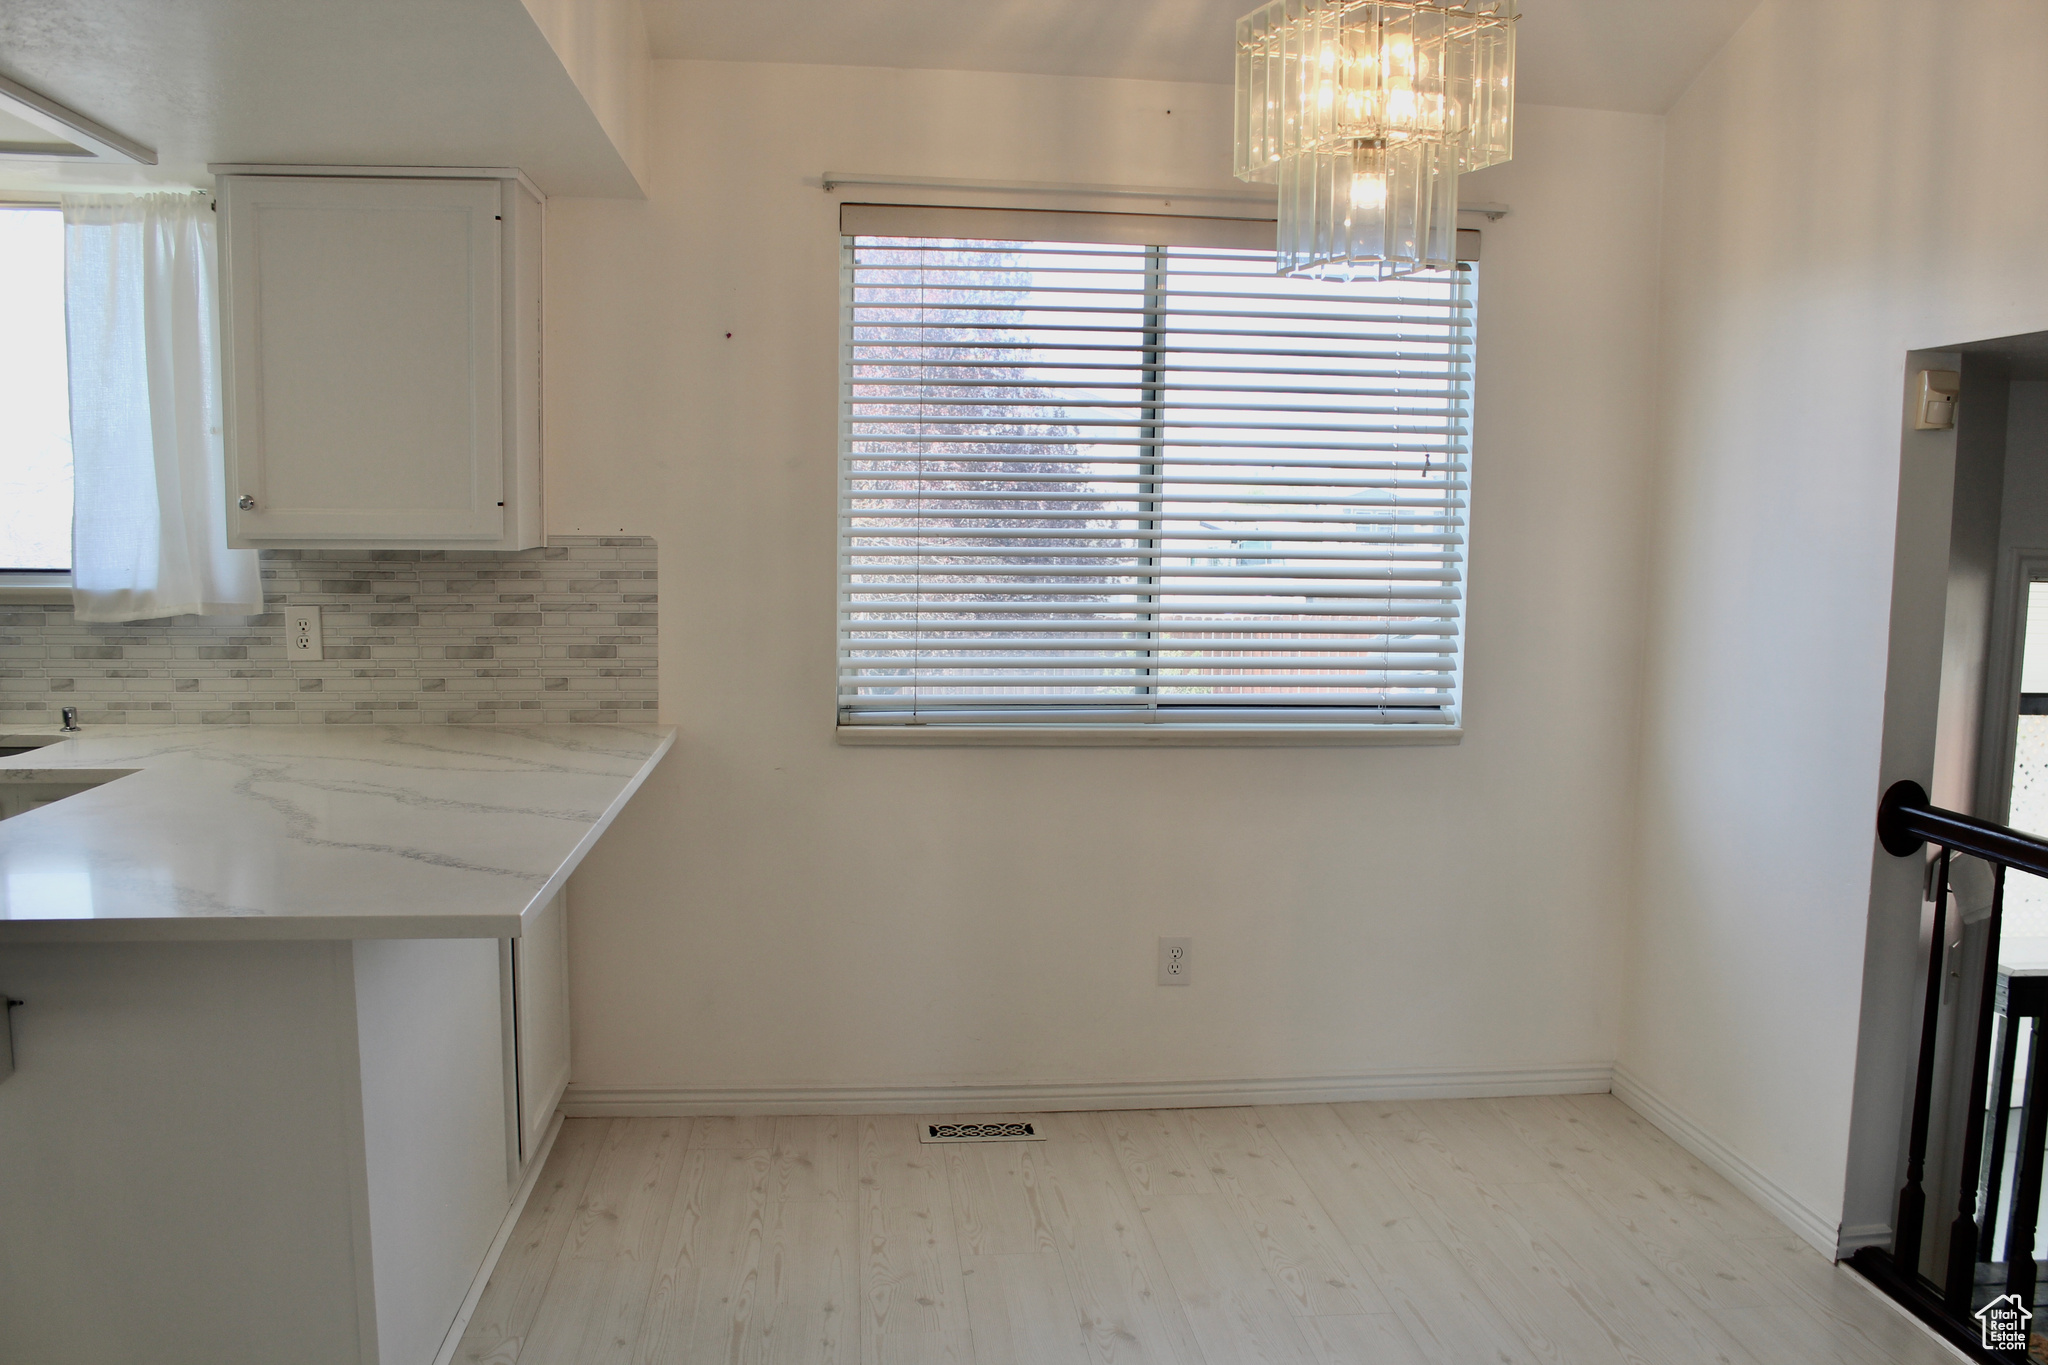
x,y
1173,960
305,633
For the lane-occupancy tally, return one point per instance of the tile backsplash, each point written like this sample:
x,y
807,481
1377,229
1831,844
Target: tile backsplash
x,y
563,634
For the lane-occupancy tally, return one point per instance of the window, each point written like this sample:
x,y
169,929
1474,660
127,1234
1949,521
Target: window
x,y
1092,485
2026,898
35,406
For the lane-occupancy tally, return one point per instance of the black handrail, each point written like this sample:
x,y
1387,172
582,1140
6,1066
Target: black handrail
x,y
1905,821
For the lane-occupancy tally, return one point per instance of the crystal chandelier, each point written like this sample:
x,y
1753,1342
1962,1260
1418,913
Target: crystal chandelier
x,y
1364,112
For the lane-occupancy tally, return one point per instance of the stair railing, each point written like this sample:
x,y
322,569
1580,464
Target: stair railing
x,y
1906,823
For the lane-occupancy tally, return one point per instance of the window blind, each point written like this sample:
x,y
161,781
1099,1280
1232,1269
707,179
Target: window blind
x,y
1111,483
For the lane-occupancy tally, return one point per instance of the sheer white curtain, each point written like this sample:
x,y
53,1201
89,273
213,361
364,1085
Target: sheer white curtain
x,y
149,534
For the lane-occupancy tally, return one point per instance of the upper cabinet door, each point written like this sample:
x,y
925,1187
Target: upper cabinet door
x,y
368,343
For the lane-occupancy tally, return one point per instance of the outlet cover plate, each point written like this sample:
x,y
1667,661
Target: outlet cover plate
x,y
303,637
1174,957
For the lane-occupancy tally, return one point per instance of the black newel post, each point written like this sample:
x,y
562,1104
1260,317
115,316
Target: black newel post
x,y
1913,1198
2026,1192
1962,1242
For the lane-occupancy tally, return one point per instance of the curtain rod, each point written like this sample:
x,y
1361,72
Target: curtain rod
x,y
50,199
833,180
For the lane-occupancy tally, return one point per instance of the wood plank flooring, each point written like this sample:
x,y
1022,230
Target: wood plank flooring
x,y
1549,1230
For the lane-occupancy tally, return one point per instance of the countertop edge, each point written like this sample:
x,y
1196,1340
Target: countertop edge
x,y
555,883
350,928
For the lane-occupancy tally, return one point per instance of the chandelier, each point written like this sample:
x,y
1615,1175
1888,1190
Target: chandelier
x,y
1364,112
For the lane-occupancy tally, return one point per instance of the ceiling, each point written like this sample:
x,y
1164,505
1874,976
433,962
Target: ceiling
x,y
364,82
2015,357
475,82
1636,55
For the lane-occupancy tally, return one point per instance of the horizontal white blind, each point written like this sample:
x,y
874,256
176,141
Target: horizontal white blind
x,y
1098,484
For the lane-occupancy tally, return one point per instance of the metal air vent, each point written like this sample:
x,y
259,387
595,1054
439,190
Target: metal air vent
x,y
986,1130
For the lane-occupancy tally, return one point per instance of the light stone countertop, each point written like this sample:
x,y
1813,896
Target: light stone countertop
x,y
307,831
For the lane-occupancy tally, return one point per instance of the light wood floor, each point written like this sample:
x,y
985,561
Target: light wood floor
x,y
1557,1230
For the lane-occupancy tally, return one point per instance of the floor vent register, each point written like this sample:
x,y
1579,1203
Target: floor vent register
x,y
997,1130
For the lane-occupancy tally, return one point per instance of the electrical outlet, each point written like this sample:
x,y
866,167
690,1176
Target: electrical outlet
x,y
305,633
1173,960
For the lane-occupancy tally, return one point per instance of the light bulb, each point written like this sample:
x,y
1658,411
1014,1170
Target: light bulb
x,y
1368,191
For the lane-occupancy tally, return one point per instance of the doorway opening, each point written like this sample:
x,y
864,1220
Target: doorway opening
x,y
1970,1072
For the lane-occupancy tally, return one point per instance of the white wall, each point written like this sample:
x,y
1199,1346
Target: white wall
x,y
1847,180
2024,527
776,913
602,44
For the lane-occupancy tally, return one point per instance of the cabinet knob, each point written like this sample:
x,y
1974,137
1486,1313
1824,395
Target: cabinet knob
x,y
246,503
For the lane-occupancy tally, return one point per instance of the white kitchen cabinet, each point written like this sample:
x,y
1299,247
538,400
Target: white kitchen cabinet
x,y
540,1040
290,1151
247,1153
381,358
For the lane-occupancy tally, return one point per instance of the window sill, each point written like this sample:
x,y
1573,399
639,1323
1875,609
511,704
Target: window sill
x,y
35,587
1146,736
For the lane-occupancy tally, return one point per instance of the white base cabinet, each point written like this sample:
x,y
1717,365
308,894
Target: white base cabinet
x,y
540,977
381,358
250,1152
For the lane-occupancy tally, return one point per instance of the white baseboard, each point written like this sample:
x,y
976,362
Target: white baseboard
x,y
1856,1236
1815,1227
596,1101
449,1343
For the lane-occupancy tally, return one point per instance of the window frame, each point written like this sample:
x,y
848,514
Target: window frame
x,y
33,586
1161,730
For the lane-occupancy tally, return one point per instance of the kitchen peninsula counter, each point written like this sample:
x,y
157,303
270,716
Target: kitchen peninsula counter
x,y
309,831
292,1028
